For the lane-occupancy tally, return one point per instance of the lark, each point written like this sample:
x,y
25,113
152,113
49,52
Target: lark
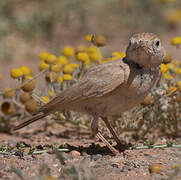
x,y
111,88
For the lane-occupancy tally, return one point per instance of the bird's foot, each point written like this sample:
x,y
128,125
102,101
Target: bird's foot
x,y
95,131
112,149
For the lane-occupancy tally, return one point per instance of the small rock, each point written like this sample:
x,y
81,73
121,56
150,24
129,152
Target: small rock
x,y
123,169
69,157
116,165
155,168
75,153
95,157
136,165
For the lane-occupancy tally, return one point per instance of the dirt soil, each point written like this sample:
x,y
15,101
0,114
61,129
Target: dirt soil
x,y
93,161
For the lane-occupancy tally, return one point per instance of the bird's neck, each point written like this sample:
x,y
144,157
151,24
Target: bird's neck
x,y
137,66
132,63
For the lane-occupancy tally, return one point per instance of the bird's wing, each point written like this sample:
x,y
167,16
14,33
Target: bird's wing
x,y
98,81
101,80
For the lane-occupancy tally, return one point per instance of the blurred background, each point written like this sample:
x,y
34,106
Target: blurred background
x,y
30,27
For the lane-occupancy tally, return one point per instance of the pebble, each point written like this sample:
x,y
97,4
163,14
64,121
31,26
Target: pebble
x,y
124,169
155,168
116,165
95,157
75,153
69,157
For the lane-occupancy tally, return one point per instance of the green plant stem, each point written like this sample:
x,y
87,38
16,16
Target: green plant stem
x,y
37,152
99,55
4,152
157,146
48,151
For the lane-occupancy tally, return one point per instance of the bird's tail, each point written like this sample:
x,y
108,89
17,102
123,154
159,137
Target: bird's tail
x,y
29,121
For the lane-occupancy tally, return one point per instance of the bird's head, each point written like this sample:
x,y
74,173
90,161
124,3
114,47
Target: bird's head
x,y
145,49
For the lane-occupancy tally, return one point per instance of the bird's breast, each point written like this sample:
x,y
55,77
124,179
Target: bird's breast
x,y
131,93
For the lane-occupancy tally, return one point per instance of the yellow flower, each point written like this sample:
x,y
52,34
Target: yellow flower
x,y
115,54
26,70
91,49
68,69
164,68
60,79
106,60
0,75
82,56
16,73
88,37
176,41
67,77
56,68
8,92
51,93
51,59
29,77
122,54
73,65
46,99
171,89
179,85
43,65
68,51
167,76
62,60
94,57
110,59
43,55
177,70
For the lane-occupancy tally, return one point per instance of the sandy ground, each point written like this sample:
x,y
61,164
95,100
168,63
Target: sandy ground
x,y
93,162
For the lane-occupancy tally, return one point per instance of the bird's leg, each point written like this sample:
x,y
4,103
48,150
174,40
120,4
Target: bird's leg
x,y
111,129
94,126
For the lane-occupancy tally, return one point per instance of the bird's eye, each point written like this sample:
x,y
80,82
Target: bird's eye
x,y
157,43
130,43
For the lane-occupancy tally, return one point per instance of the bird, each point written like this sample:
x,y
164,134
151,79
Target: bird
x,y
110,88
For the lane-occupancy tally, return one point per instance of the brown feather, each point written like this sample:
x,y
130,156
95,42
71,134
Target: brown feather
x,y
29,121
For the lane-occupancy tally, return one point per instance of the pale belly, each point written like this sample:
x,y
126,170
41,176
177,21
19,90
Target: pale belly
x,y
128,96
122,99
123,103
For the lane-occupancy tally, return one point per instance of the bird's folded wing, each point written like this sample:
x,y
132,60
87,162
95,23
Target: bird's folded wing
x,y
102,79
97,82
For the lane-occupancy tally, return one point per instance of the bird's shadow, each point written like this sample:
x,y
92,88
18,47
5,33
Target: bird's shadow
x,y
95,149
